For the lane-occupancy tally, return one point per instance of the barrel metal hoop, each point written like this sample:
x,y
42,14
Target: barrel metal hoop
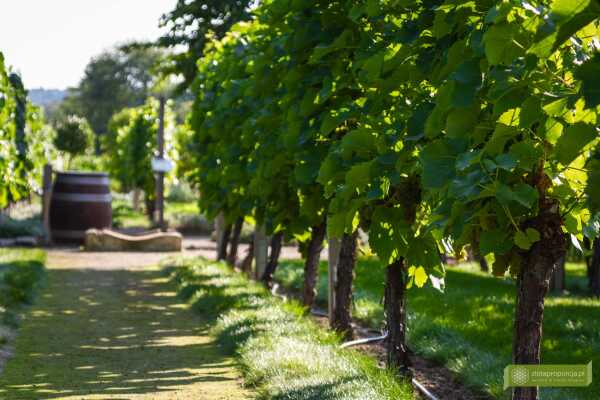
x,y
84,180
83,197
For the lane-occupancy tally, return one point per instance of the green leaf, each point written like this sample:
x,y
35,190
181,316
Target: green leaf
x,y
321,51
525,195
531,112
388,233
502,134
359,176
556,108
525,239
438,165
572,223
336,224
532,234
522,194
420,276
416,123
566,18
468,73
506,161
460,122
308,105
373,8
526,153
500,47
467,78
522,240
374,65
588,73
361,141
330,122
494,241
573,140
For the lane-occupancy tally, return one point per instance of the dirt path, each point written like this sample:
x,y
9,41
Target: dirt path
x,y
108,326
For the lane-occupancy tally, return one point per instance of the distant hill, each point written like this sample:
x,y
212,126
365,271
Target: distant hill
x,y
45,97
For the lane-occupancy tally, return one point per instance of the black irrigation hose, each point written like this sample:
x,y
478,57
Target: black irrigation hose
x,y
415,382
422,389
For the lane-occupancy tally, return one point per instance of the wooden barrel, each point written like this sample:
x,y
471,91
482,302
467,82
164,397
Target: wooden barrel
x,y
80,201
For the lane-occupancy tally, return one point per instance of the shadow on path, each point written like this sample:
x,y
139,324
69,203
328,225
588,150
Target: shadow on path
x,y
115,334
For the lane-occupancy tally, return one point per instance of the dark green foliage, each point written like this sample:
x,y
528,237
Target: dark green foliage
x,y
73,136
21,272
12,228
189,25
25,139
113,80
130,146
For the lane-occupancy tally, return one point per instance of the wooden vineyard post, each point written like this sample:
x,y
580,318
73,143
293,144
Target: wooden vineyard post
x,y
160,176
261,247
333,257
46,195
219,229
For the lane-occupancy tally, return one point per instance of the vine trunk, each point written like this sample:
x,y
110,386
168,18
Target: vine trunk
x,y
342,315
311,265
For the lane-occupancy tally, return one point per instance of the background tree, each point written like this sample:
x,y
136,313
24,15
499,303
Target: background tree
x,y
130,146
190,23
112,81
73,137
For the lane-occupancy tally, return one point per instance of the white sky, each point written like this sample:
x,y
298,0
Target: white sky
x,y
51,41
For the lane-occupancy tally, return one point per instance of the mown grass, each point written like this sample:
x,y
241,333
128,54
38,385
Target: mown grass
x,y
21,272
283,353
469,327
98,333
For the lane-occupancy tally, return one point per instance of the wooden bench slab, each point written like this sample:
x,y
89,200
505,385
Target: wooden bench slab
x,y
109,240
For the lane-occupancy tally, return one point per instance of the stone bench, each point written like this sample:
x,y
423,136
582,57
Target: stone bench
x,y
108,240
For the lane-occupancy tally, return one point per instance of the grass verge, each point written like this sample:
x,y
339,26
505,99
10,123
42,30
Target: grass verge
x,y
21,271
284,354
469,328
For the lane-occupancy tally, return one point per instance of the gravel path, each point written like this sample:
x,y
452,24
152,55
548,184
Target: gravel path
x,y
108,326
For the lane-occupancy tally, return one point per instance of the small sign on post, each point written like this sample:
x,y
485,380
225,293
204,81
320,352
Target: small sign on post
x,y
162,165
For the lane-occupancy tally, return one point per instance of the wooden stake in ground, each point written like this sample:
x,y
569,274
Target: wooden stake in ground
x,y
160,175
261,248
219,227
558,279
333,257
46,196
594,270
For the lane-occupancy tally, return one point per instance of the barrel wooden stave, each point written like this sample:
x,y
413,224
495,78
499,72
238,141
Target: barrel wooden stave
x,y
79,201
